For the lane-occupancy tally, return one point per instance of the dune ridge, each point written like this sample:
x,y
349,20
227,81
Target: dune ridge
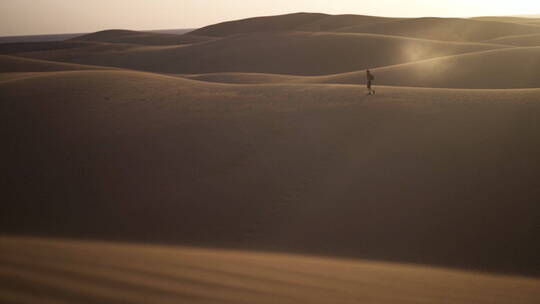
x,y
285,22
517,40
493,69
447,29
300,53
306,44
505,68
21,47
334,22
523,19
19,64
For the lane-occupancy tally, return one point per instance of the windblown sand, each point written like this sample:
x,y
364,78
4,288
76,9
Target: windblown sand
x,y
63,271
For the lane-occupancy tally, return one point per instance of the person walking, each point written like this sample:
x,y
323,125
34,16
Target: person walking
x,y
370,78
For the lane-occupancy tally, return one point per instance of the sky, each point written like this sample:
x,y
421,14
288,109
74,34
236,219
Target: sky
x,y
32,17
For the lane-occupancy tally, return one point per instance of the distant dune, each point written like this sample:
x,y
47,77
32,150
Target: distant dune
x,y
19,64
446,29
247,78
434,176
37,38
144,38
288,22
62,37
537,23
65,271
21,47
505,68
173,31
333,22
494,69
518,40
522,20
300,53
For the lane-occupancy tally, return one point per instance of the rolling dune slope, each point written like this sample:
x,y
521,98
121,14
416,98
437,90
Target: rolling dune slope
x,y
19,64
444,177
300,53
446,29
67,271
518,40
247,78
522,20
498,69
20,47
334,22
288,22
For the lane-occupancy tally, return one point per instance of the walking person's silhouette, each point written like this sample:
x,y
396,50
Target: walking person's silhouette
x,y
370,78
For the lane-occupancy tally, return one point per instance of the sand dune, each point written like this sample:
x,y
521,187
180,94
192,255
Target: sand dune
x,y
494,69
20,47
300,53
144,38
37,38
502,69
105,53
19,64
288,22
63,37
446,29
522,20
257,135
444,177
67,271
334,22
537,23
247,78
174,31
518,40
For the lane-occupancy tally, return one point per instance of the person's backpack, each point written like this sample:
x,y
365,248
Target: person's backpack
x,y
371,77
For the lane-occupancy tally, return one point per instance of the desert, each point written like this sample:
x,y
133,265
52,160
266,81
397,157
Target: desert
x,y
244,162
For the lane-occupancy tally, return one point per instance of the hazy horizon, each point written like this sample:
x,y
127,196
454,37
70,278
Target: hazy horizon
x,y
27,17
